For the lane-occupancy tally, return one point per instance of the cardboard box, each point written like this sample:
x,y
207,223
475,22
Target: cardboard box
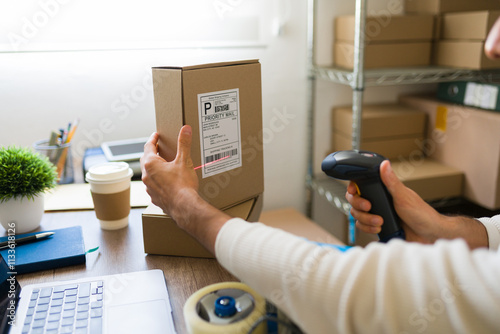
x,y
162,236
430,179
389,148
467,139
223,104
391,130
385,55
443,6
292,221
474,94
468,25
463,54
387,28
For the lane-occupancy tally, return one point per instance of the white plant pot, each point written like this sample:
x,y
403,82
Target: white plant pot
x,y
22,214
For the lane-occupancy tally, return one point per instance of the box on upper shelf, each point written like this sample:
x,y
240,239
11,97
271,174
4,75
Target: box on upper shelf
x,y
443,6
397,41
468,25
462,40
465,138
463,54
384,55
391,130
387,29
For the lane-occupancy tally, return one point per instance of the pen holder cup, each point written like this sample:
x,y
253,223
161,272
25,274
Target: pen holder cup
x,y
60,156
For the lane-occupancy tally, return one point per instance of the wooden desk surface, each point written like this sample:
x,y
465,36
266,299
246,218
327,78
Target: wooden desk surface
x,y
123,251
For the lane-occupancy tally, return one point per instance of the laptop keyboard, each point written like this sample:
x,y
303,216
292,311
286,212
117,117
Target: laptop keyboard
x,y
74,308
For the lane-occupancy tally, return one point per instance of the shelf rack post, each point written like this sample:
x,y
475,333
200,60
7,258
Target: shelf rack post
x,y
311,96
358,83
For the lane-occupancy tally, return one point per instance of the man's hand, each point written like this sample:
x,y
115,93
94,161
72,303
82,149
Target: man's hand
x,y
173,186
167,182
420,221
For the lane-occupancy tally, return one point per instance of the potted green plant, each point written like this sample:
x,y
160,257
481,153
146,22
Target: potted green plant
x,y
24,178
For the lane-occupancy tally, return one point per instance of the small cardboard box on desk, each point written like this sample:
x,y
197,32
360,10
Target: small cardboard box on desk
x,y
222,102
163,237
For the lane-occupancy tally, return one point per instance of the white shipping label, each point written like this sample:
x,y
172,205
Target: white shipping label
x,y
480,95
220,137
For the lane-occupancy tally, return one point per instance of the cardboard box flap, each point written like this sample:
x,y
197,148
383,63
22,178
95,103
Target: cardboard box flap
x,y
187,67
241,210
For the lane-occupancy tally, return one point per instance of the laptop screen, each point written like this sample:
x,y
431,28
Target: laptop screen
x,y
9,296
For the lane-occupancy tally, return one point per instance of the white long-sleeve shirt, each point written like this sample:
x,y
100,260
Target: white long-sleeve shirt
x,y
398,287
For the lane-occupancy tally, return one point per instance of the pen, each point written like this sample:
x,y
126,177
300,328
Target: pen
x,y
23,240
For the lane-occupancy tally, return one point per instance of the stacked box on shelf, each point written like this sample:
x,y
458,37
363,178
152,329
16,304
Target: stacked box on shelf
x,y
391,130
395,41
462,40
397,132
465,138
446,6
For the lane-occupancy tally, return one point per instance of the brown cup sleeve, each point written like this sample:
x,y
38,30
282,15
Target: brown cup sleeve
x,y
112,206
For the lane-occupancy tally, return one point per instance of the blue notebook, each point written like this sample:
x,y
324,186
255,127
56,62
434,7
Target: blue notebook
x,y
64,248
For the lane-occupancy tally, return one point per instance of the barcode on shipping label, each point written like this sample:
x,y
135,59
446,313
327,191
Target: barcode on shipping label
x,y
220,136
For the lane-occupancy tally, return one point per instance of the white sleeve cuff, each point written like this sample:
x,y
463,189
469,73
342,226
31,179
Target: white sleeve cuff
x,y
492,226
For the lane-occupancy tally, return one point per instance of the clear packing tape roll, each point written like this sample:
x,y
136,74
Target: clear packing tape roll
x,y
229,307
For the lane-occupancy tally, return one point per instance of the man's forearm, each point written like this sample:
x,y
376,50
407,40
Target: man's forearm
x,y
198,218
469,229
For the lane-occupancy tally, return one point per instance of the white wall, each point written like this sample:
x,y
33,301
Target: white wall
x,y
110,91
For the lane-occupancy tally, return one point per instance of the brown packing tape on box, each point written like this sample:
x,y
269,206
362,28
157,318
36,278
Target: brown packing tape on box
x,y
112,206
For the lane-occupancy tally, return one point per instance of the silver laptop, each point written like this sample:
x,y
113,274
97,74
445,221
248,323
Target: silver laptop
x,y
136,302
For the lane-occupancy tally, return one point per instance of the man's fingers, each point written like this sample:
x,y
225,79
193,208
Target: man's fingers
x,y
184,145
390,179
150,146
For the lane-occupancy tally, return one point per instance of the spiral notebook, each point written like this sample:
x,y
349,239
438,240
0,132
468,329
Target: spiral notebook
x,y
65,247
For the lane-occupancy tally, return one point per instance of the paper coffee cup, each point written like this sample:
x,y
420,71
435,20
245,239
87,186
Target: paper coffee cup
x,y
110,189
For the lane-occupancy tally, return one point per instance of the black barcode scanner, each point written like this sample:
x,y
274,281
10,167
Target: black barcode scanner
x,y
363,168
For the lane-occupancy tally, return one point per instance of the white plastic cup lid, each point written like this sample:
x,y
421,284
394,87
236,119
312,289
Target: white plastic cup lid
x,y
109,172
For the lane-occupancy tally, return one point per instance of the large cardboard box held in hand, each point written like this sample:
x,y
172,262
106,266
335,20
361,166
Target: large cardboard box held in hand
x,y
392,130
444,6
161,235
222,102
465,138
